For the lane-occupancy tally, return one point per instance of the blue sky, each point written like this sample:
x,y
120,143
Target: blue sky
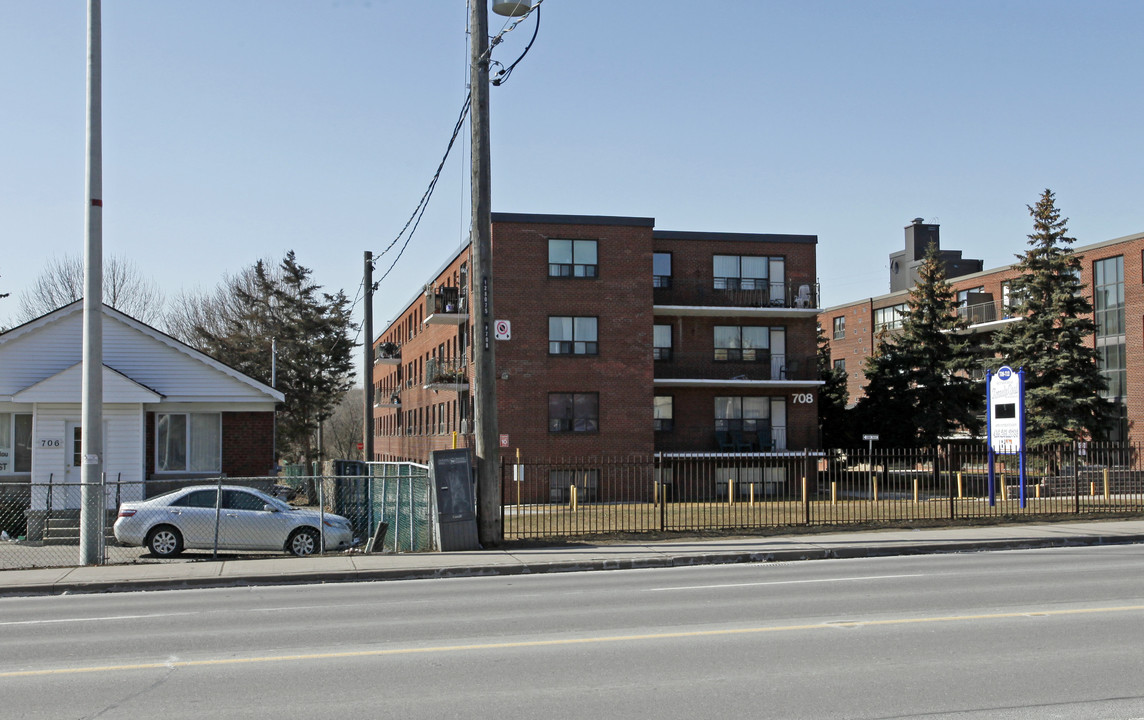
x,y
238,129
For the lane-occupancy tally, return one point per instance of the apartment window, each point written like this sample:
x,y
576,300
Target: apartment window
x,y
744,344
963,295
188,442
1111,340
750,272
661,270
661,342
15,443
664,413
572,258
761,420
573,412
890,318
840,365
840,327
572,335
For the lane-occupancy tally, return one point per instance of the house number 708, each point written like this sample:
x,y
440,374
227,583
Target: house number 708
x,y
804,398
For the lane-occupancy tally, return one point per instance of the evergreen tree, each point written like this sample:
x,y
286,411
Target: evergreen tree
x,y
834,419
314,359
1063,382
919,387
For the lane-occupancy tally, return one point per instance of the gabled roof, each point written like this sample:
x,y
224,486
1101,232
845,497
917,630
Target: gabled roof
x,y
66,387
67,311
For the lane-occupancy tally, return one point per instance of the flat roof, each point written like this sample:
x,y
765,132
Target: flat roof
x,y
541,218
734,237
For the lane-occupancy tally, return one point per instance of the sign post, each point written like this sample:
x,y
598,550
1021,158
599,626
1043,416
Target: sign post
x,y
1005,415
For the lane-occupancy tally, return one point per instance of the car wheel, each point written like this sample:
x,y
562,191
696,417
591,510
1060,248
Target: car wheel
x,y
164,541
303,541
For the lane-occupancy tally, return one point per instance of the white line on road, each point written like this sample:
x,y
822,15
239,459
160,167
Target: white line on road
x,y
783,582
94,619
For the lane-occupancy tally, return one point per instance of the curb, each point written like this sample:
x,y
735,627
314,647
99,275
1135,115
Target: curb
x,y
640,563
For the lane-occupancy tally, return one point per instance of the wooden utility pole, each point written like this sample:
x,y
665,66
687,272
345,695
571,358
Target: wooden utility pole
x,y
367,363
484,348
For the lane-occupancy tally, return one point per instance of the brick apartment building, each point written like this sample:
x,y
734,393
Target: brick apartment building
x,y
1111,273
624,340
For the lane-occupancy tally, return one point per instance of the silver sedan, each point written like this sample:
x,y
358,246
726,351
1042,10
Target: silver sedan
x,y
245,519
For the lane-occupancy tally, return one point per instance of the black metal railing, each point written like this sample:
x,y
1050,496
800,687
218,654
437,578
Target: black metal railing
x,y
737,292
734,364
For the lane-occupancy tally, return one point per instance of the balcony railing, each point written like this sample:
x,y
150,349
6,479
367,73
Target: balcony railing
x,y
387,353
446,374
446,305
734,364
982,313
732,435
737,292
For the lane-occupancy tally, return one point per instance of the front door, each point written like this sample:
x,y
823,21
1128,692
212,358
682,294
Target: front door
x,y
70,495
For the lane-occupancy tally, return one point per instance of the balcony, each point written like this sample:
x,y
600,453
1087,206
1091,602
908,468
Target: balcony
x,y
984,316
446,305
731,297
726,436
387,353
388,397
446,374
734,367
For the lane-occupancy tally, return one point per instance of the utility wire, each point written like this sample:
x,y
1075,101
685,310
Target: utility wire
x,y
503,75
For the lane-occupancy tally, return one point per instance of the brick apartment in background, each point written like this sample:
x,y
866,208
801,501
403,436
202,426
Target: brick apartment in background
x,y
625,340
1111,272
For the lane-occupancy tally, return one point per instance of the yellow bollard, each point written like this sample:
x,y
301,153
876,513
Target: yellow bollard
x,y
752,500
875,489
1106,483
1038,491
960,488
915,491
655,493
730,491
1092,489
455,446
1004,487
572,498
804,488
833,492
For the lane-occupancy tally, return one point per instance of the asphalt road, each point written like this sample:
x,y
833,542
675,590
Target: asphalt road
x,y
1023,634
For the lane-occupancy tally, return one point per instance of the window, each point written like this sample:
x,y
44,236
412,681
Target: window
x,y
573,412
188,442
840,365
241,500
963,295
661,270
572,258
751,272
745,344
1111,337
661,342
760,420
664,413
15,443
840,327
889,318
572,335
197,499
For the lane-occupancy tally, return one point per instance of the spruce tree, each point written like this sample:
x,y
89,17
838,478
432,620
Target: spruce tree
x,y
1052,341
834,421
919,388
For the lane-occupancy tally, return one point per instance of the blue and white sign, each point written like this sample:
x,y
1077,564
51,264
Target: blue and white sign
x,y
1006,411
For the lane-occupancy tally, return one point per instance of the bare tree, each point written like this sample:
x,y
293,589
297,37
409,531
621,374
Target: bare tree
x,y
124,288
193,315
341,433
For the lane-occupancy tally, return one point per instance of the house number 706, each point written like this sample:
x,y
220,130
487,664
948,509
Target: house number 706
x,y
51,443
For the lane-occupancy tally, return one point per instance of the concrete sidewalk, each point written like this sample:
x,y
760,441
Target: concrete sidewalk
x,y
565,558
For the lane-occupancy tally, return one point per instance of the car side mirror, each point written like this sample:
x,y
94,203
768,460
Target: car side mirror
x,y
270,508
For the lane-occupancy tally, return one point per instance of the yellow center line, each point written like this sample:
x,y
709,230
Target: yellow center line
x,y
566,641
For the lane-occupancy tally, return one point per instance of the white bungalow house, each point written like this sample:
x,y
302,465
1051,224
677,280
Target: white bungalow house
x,y
170,413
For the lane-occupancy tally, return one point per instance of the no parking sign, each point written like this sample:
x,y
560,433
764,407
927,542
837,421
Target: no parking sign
x,y
502,330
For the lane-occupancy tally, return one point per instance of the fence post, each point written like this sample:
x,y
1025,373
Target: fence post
x,y
658,465
1076,477
217,514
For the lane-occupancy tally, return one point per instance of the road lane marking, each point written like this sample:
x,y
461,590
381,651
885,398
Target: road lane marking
x,y
54,621
783,582
220,662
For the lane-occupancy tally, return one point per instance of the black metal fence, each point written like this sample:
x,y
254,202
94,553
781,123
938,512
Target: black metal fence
x,y
743,491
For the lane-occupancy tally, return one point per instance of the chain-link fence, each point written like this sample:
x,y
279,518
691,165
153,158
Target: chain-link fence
x,y
169,520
